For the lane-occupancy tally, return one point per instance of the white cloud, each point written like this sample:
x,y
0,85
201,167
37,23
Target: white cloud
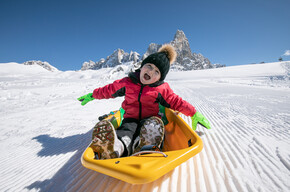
x,y
287,53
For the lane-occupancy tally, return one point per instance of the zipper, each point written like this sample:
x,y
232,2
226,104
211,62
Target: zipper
x,y
139,100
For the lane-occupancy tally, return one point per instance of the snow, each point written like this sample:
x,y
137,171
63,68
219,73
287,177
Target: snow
x,y
44,129
8,69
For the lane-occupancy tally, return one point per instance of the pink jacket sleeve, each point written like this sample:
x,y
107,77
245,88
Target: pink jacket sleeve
x,y
110,90
178,104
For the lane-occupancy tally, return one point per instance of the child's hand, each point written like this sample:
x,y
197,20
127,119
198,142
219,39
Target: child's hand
x,y
86,98
199,118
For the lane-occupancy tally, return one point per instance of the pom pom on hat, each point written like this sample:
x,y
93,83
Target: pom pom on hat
x,y
169,51
165,56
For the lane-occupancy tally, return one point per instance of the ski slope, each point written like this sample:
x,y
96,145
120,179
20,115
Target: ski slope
x,y
44,130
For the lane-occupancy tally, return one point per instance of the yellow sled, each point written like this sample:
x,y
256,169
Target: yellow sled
x,y
180,144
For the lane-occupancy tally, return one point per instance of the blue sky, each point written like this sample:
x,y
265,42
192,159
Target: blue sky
x,y
67,33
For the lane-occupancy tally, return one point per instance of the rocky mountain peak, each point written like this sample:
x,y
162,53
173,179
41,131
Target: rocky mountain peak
x,y
118,57
181,45
179,36
153,48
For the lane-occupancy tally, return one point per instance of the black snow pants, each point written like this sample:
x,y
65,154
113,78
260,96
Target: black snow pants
x,y
128,132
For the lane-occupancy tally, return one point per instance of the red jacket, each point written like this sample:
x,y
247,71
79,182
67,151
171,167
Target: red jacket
x,y
142,101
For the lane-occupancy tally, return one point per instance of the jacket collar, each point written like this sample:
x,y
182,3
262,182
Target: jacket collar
x,y
135,77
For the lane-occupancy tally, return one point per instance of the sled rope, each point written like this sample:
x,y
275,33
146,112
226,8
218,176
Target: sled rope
x,y
144,152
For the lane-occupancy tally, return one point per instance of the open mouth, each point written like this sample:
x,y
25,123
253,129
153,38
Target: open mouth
x,y
147,77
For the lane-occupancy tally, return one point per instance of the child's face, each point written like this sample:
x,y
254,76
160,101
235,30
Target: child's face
x,y
149,74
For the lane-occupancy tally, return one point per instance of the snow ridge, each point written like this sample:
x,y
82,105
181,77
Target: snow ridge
x,y
44,64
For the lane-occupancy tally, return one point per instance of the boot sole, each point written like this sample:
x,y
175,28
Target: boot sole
x,y
103,140
151,136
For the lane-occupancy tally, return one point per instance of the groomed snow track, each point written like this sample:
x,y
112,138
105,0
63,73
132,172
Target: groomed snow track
x,y
247,148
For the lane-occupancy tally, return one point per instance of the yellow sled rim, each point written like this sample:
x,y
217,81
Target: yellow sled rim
x,y
181,143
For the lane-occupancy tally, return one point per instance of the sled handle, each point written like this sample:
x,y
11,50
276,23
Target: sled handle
x,y
144,152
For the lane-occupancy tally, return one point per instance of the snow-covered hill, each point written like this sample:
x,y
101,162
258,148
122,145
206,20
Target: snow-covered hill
x,y
44,129
43,64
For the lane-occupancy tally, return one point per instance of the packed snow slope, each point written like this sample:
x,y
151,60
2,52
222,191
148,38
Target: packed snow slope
x,y
44,129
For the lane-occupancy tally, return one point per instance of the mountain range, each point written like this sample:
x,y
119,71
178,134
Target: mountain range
x,y
186,59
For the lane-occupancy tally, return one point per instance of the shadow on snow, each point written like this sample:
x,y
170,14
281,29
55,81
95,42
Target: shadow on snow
x,y
69,173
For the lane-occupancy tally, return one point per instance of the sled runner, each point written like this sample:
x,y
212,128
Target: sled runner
x,y
180,144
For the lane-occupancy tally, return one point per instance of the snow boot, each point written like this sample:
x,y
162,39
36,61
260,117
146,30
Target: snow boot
x,y
105,143
151,133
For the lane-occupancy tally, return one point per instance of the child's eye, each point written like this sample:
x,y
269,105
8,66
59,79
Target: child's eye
x,y
157,72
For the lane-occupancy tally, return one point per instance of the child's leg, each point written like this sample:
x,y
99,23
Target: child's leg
x,y
105,141
127,133
151,133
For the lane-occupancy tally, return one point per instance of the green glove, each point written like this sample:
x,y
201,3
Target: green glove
x,y
199,118
86,98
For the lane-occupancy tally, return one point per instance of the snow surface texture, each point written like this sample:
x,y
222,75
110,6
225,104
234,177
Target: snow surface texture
x,y
44,129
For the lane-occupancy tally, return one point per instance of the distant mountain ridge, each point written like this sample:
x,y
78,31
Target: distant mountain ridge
x,y
117,58
186,60
43,64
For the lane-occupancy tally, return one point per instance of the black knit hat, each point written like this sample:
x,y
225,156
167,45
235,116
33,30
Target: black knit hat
x,y
165,56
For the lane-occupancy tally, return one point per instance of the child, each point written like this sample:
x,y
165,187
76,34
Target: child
x,y
144,90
